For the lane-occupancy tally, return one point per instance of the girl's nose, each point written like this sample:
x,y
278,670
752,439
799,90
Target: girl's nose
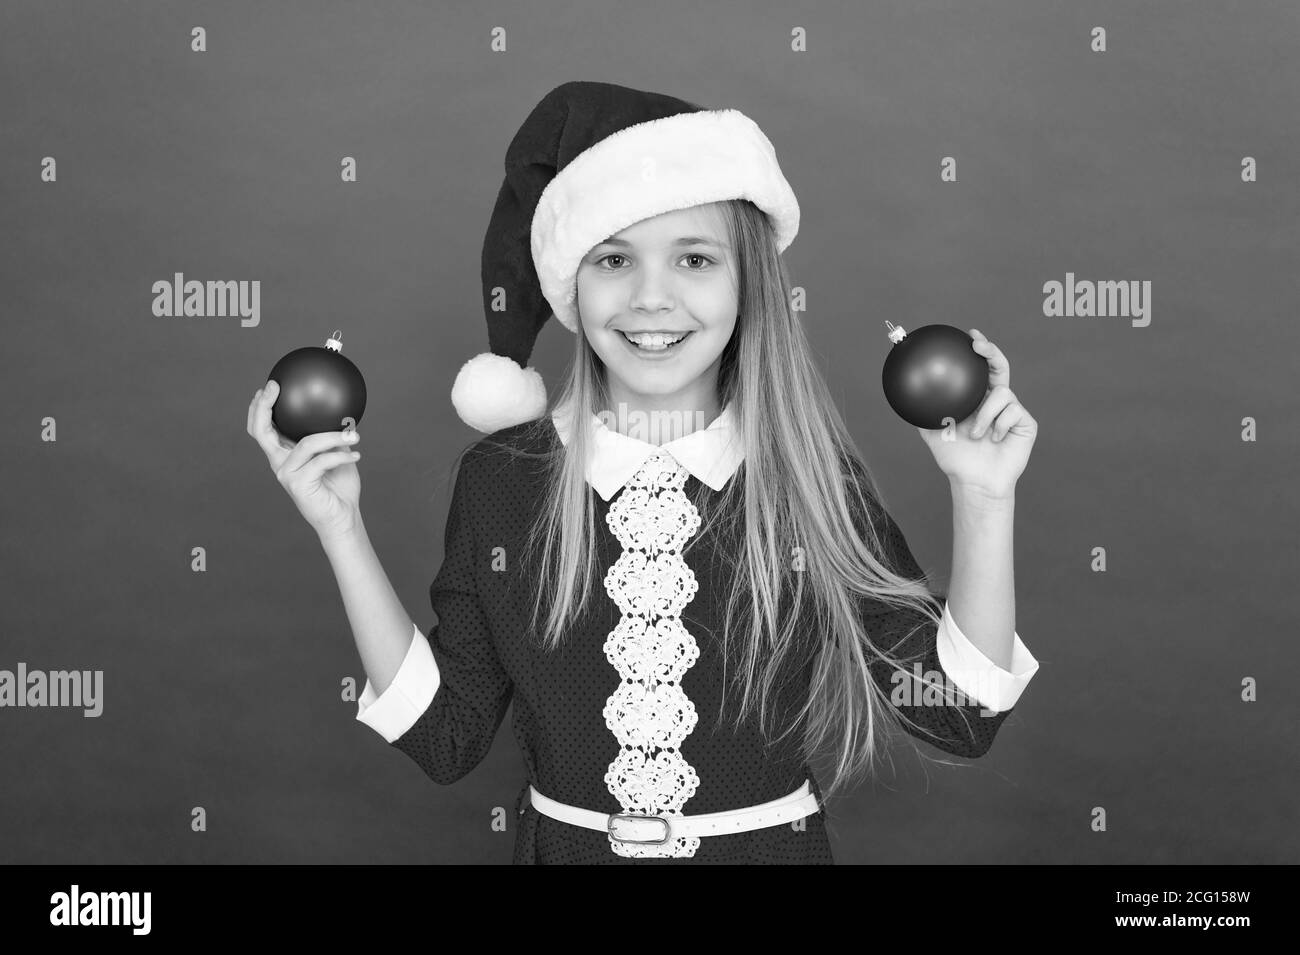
x,y
652,294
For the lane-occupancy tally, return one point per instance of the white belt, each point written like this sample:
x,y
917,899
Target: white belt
x,y
657,830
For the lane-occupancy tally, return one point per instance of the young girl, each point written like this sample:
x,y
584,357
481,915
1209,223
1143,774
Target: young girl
x,y
760,609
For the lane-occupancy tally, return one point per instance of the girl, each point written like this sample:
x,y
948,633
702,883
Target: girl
x,y
760,608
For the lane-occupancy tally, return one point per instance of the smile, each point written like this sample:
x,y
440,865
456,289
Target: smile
x,y
650,344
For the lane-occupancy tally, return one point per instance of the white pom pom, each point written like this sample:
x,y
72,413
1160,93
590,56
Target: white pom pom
x,y
492,392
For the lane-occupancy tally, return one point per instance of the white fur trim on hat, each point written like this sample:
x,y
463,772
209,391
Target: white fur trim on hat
x,y
492,392
649,168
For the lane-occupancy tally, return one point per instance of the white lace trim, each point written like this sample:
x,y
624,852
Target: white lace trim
x,y
649,713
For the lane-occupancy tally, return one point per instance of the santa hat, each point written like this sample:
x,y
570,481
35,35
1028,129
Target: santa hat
x,y
590,160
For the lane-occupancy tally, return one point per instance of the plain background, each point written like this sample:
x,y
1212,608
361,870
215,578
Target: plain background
x,y
222,689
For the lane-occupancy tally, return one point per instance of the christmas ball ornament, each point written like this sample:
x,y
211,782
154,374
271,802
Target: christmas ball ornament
x,y
933,374
320,390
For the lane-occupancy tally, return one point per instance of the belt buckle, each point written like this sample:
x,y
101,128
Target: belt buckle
x,y
609,828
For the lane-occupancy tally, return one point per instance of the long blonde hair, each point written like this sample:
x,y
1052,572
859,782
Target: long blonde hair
x,y
804,485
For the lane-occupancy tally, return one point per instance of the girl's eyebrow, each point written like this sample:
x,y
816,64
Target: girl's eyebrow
x,y
684,240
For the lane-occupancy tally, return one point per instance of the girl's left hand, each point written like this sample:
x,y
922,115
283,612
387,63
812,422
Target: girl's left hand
x,y
989,450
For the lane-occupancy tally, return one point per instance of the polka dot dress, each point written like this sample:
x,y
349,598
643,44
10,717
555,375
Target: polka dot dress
x,y
624,715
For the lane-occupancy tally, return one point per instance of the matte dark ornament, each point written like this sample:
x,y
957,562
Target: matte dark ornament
x,y
932,374
320,390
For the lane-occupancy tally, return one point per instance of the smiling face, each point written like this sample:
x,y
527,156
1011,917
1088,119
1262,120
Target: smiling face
x,y
675,274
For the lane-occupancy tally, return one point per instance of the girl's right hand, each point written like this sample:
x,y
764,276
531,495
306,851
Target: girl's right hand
x,y
319,472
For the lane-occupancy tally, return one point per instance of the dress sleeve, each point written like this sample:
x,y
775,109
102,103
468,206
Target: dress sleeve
x,y
965,697
409,695
455,670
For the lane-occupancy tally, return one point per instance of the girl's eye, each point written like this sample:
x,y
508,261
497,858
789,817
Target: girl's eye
x,y
689,255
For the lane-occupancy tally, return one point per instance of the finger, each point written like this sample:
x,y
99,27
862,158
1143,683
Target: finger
x,y
263,431
997,399
999,366
1026,424
252,406
315,469
1011,415
314,444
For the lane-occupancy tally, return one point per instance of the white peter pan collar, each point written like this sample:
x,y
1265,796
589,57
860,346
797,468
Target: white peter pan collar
x,y
712,454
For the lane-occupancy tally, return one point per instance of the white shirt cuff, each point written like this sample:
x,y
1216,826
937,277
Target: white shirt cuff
x,y
976,675
407,697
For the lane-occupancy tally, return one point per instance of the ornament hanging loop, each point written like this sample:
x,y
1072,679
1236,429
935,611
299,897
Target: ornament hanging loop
x,y
335,341
896,332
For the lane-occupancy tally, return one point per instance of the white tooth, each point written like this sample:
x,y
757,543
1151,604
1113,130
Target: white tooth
x,y
655,342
